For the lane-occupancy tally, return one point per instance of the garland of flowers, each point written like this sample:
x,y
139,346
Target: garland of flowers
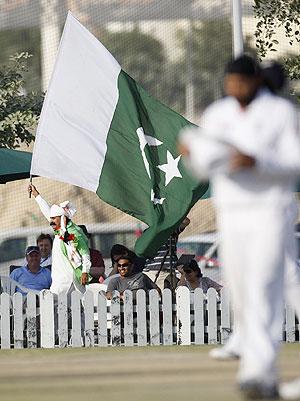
x,y
67,237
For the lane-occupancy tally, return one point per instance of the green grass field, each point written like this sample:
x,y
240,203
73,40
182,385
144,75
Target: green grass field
x,y
124,374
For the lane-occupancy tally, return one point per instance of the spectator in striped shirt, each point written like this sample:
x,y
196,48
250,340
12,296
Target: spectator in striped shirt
x,y
161,268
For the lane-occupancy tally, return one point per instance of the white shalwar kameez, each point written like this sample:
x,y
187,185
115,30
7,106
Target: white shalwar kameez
x,y
252,208
63,277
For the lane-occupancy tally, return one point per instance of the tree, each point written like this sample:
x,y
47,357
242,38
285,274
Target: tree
x,y
140,55
274,14
19,40
19,112
209,50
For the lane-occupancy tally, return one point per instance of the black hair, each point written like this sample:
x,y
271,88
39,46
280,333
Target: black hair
x,y
84,229
194,266
127,256
118,249
43,236
274,76
244,65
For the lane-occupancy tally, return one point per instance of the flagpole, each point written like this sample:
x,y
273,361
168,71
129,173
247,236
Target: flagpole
x,y
30,181
237,28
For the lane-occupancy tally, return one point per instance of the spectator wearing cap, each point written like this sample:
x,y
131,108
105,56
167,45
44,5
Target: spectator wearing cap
x,y
44,242
97,269
192,278
32,275
127,279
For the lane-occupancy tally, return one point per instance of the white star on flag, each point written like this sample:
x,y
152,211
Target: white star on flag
x,y
156,201
171,168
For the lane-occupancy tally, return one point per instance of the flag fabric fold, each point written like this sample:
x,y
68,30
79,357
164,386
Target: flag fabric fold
x,y
101,131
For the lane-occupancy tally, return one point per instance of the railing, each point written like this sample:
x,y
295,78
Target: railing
x,y
43,321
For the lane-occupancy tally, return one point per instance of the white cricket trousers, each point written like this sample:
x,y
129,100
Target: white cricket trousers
x,y
252,255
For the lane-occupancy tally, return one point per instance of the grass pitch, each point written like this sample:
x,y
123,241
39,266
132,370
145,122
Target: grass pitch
x,y
125,374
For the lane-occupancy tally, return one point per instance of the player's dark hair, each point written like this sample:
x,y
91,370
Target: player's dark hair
x,y
274,76
244,65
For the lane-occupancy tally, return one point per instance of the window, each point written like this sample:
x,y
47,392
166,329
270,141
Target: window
x,y
13,248
196,248
104,242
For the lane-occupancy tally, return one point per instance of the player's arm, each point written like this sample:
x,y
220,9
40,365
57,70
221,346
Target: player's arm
x,y
110,288
284,159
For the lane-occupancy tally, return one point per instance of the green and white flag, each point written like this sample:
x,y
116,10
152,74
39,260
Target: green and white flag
x,y
101,131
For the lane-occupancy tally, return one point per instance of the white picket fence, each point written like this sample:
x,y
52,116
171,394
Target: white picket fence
x,y
38,321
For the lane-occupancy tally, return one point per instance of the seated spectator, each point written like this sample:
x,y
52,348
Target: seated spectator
x,y
192,278
117,250
44,242
128,279
32,275
97,269
160,267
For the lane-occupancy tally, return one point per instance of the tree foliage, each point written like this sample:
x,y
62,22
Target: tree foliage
x,y
272,15
144,58
19,112
209,50
140,55
20,40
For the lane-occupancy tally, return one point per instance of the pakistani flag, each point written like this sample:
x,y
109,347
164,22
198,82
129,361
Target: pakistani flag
x,y
101,131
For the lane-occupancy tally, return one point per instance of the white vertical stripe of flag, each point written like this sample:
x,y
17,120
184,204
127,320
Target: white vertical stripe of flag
x,y
70,143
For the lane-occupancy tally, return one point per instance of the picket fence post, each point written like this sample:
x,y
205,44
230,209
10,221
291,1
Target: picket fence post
x,y
212,316
76,336
290,325
88,304
183,316
167,315
5,320
47,319
62,318
102,319
141,309
18,320
154,317
115,310
199,316
128,318
225,315
31,314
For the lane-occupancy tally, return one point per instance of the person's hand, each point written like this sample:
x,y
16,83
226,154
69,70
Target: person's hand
x,y
185,223
180,269
183,149
32,190
241,161
84,278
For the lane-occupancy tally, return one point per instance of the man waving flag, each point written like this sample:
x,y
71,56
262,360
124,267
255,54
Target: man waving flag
x,y
101,131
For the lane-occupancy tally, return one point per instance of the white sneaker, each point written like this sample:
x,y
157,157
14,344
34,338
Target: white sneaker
x,y
290,390
223,354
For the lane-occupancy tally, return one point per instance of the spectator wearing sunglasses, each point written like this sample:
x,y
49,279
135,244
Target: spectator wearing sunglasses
x,y
192,278
118,250
128,279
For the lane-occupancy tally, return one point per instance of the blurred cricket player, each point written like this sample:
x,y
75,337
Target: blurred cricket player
x,y
249,146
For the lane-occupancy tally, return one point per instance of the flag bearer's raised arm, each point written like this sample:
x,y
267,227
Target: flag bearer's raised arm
x,y
45,208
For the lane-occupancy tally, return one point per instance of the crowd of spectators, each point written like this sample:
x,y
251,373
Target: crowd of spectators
x,y
128,271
